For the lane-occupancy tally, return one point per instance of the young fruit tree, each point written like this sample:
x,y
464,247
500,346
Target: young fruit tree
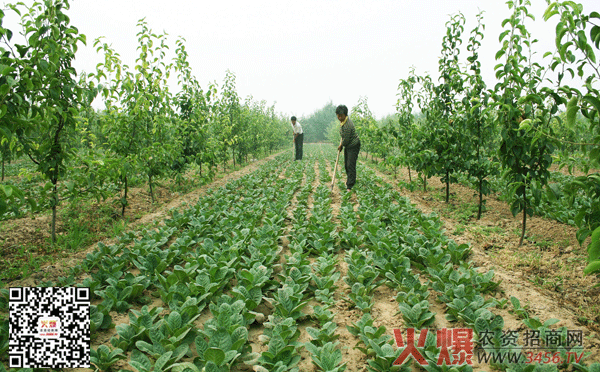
x,y
402,134
522,112
576,55
446,127
475,107
50,93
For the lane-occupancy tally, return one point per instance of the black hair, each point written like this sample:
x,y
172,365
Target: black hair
x,y
293,118
341,109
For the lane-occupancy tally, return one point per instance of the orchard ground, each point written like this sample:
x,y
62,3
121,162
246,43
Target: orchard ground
x,y
545,273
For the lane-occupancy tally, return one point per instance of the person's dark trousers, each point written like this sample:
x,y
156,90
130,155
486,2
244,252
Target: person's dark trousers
x,y
299,140
350,159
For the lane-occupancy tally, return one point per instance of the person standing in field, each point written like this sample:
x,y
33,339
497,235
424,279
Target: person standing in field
x,y
298,137
350,143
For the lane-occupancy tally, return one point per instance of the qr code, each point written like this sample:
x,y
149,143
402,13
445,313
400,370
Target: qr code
x,y
49,327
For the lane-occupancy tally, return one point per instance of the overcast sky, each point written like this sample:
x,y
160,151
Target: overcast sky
x,y
302,54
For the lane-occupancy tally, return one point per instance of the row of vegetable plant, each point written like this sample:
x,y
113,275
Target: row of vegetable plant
x,y
458,285
216,269
188,262
325,350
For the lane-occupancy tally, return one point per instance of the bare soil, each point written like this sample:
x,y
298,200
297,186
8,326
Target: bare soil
x,y
545,273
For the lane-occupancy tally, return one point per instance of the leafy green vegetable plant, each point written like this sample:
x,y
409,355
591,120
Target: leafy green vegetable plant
x,y
360,296
418,315
325,334
518,310
282,354
4,336
289,303
224,338
142,363
327,357
103,358
140,324
170,334
99,319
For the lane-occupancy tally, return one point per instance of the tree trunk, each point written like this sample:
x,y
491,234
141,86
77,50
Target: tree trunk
x,y
479,161
524,218
409,176
447,187
3,168
151,189
124,202
54,205
480,198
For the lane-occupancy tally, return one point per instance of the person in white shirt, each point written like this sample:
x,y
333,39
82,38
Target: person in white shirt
x,y
298,137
